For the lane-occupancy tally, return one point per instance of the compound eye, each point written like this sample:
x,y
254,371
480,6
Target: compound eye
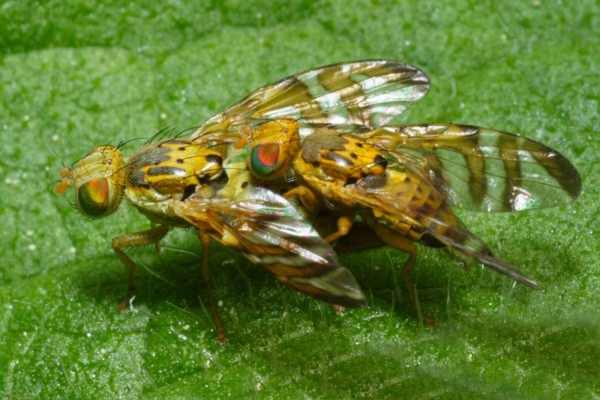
x,y
93,197
264,159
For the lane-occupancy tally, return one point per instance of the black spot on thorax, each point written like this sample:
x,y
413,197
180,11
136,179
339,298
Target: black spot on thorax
x,y
381,161
220,182
213,158
188,191
373,181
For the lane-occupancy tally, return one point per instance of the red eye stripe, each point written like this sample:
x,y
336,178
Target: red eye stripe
x,y
98,189
268,154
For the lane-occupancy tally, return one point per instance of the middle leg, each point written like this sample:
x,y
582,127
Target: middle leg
x,y
394,239
213,309
344,224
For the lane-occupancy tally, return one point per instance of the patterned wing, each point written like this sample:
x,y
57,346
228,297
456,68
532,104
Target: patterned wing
x,y
484,169
272,232
407,195
354,96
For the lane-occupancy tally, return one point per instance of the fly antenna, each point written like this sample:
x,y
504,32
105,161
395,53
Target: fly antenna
x,y
65,182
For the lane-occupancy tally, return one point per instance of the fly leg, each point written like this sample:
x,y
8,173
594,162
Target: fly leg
x,y
306,197
311,204
120,243
361,237
207,282
344,224
400,242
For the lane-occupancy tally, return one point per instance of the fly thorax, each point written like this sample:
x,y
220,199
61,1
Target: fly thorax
x,y
342,157
176,168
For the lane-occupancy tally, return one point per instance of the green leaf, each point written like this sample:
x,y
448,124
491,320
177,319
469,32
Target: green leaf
x,y
76,74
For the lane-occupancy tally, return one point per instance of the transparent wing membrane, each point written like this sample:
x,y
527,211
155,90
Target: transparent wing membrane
x,y
484,169
272,232
353,96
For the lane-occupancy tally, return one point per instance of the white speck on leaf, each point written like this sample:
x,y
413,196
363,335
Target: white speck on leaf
x,y
12,181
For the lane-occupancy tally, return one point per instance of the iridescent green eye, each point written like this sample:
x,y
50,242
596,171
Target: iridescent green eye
x,y
264,159
93,197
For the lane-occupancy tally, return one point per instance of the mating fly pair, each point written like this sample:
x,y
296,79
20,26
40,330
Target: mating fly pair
x,y
315,159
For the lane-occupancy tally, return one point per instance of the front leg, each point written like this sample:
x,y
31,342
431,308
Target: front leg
x,y
120,243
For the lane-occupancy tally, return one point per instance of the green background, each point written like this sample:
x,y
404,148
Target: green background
x,y
76,74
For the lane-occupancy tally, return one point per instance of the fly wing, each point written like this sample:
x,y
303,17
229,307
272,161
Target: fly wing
x,y
264,218
449,230
417,203
484,169
355,96
272,232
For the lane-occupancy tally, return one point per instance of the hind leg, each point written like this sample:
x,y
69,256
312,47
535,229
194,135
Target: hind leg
x,y
400,242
